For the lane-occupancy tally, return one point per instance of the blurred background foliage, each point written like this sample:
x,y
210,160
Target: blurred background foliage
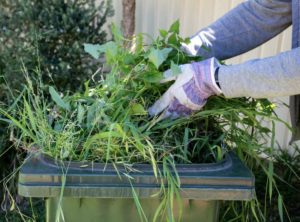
x,y
49,35
53,32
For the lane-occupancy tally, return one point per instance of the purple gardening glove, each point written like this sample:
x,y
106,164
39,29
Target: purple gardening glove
x,y
189,93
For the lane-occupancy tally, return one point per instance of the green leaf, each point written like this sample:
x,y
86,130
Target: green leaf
x,y
58,127
175,27
163,33
173,40
270,176
32,121
137,140
186,142
110,49
280,207
111,52
175,69
137,109
12,206
152,77
57,99
139,44
80,113
253,209
129,59
65,154
219,153
86,88
93,49
137,204
153,161
91,114
157,56
186,40
117,33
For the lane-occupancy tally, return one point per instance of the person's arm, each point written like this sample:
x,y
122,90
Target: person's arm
x,y
245,27
263,78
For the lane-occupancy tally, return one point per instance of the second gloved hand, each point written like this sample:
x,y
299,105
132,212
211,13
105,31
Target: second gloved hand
x,y
189,93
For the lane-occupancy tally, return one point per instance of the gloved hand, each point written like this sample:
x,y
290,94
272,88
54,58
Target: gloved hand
x,y
189,93
203,38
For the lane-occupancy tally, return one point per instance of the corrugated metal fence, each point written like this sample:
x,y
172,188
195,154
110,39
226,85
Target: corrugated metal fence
x,y
152,15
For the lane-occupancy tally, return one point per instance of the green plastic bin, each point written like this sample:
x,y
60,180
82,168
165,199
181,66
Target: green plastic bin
x,y
96,192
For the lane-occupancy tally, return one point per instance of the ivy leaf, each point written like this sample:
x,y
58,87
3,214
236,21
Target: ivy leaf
x,y
129,59
137,109
111,50
163,33
93,50
152,77
58,100
158,56
173,39
175,69
175,27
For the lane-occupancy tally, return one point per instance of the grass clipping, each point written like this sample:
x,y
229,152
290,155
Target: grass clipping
x,y
109,123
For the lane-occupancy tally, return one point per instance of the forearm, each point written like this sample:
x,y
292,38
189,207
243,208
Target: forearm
x,y
245,27
263,78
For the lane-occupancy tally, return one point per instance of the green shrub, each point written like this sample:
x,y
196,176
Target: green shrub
x,y
50,34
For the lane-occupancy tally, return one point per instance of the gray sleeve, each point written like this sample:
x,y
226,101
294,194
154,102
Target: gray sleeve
x,y
247,26
263,78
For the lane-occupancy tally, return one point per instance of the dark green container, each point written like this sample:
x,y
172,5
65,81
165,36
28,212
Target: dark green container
x,y
77,192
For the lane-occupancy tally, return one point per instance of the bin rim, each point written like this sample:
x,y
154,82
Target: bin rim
x,y
50,162
41,176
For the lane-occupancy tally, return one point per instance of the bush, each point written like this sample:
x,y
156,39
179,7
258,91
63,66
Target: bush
x,y
50,33
47,35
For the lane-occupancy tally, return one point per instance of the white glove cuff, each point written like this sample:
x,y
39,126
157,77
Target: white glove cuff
x,y
213,67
